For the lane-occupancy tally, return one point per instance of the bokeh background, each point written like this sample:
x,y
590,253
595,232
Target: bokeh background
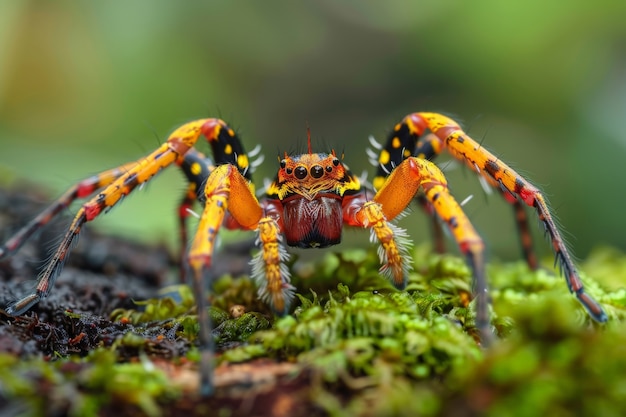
x,y
86,86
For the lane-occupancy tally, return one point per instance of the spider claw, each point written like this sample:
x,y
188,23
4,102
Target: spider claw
x,y
22,305
594,309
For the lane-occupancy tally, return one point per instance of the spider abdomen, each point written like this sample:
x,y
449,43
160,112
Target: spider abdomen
x,y
315,223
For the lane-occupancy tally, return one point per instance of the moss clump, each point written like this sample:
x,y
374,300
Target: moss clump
x,y
550,365
176,310
83,387
356,334
359,347
376,351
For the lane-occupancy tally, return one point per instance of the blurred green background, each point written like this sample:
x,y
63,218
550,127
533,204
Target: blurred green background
x,y
86,86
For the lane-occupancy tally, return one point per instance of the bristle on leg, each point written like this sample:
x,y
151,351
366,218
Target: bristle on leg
x,y
394,245
269,270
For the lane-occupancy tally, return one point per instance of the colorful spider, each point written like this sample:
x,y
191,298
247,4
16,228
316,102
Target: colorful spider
x,y
311,198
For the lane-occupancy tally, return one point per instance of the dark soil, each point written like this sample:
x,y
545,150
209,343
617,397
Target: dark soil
x,y
102,274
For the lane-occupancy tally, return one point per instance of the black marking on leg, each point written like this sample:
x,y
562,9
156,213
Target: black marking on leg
x,y
492,167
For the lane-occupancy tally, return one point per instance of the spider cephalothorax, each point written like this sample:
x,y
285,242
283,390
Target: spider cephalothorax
x,y
313,196
307,197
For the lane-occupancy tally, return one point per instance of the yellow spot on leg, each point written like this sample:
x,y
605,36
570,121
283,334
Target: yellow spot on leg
x,y
196,168
378,182
242,161
384,157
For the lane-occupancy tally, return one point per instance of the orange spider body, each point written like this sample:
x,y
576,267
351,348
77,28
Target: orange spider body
x,y
312,197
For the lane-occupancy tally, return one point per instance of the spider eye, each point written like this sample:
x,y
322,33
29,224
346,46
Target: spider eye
x,y
335,162
289,171
300,172
317,171
283,164
329,168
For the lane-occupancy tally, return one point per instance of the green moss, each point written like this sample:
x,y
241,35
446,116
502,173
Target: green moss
x,y
83,387
176,309
369,338
175,301
353,335
372,350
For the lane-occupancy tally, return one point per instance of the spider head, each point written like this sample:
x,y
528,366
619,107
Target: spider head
x,y
310,188
311,173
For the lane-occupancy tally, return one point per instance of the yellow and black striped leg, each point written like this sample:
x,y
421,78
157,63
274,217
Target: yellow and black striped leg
x,y
269,270
89,211
406,139
196,167
226,148
225,190
393,250
403,143
514,187
118,183
83,189
439,241
526,239
470,243
137,173
394,195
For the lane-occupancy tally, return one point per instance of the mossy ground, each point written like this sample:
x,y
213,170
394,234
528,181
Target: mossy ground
x,y
352,346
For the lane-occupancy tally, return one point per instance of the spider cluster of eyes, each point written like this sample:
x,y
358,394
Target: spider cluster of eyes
x,y
300,172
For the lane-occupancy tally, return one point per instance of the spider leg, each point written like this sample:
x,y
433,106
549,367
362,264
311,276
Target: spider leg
x,y
268,267
185,209
395,194
405,140
226,148
82,189
196,167
439,243
401,144
362,211
228,192
89,211
178,143
523,229
515,189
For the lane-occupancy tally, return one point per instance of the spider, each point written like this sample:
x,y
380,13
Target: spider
x,y
312,197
